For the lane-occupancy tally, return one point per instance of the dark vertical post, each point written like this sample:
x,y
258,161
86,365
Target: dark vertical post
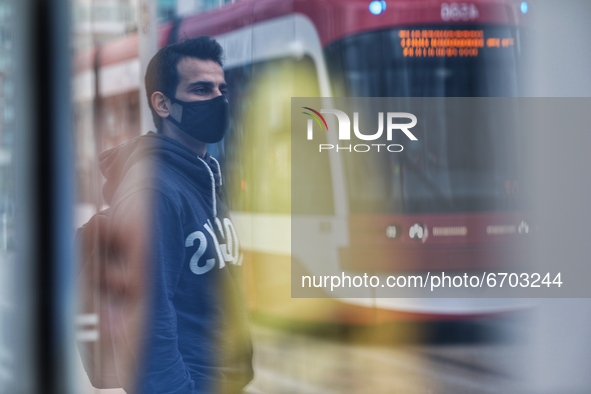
x,y
51,56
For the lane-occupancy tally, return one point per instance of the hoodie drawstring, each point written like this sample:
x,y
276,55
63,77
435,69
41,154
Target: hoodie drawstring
x,y
215,210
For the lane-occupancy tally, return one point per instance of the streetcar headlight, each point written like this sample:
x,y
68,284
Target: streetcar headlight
x,y
392,231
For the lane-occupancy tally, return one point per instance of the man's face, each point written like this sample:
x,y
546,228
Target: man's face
x,y
199,80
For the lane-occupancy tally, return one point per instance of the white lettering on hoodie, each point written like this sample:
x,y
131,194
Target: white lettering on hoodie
x,y
227,252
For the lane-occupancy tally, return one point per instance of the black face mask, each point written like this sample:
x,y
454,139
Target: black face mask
x,y
206,121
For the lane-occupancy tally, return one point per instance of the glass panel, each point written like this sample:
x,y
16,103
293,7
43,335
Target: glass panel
x,y
7,199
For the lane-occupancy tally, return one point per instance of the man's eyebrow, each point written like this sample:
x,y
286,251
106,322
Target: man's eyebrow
x,y
201,83
205,84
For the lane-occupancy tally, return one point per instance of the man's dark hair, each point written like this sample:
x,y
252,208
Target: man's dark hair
x,y
162,73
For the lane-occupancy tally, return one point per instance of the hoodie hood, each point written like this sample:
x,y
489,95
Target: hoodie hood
x,y
142,159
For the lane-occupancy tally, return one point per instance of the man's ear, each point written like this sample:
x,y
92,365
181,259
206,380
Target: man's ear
x,y
161,104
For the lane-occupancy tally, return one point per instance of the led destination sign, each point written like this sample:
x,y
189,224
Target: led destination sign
x,y
448,43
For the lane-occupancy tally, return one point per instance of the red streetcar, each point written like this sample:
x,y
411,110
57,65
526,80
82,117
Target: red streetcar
x,y
279,49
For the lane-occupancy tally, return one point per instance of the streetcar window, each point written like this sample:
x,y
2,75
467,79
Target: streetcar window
x,y
256,152
459,167
423,62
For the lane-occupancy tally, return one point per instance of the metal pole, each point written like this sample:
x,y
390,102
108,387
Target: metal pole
x,y
148,46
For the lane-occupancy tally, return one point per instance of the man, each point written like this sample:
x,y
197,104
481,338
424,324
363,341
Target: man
x,y
172,299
